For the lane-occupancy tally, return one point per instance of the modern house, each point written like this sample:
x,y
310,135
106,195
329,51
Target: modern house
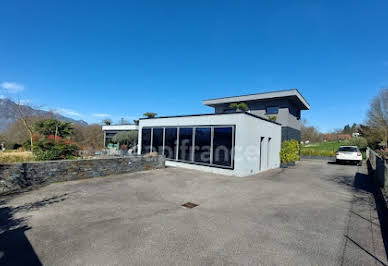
x,y
111,130
238,144
229,141
285,106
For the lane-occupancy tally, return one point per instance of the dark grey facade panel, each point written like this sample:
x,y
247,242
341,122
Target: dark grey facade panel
x,y
289,133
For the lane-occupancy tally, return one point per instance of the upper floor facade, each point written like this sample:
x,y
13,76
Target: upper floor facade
x,y
284,106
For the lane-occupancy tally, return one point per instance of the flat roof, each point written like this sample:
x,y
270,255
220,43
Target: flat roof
x,y
292,93
212,114
120,127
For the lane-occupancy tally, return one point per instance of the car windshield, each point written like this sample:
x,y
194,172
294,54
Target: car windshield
x,y
351,149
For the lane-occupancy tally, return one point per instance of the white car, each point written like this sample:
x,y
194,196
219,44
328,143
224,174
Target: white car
x,y
349,154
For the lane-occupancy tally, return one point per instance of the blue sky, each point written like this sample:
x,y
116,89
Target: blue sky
x,y
91,59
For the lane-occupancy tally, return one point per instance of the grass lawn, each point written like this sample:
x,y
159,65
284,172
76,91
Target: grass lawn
x,y
328,148
16,156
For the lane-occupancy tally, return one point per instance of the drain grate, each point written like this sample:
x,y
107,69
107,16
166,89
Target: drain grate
x,y
190,205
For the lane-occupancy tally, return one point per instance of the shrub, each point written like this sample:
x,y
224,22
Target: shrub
x,y
239,106
150,114
46,148
128,138
289,151
360,142
272,117
107,122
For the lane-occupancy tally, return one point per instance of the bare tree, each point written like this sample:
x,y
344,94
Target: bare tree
x,y
27,121
310,133
377,116
89,137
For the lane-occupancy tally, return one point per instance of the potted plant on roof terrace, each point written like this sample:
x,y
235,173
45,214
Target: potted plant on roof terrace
x,y
150,114
239,107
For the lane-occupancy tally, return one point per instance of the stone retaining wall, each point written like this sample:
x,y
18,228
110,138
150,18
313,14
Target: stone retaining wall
x,y
19,176
379,167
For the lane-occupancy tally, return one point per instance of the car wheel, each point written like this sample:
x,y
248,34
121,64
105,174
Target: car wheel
x,y
337,161
359,163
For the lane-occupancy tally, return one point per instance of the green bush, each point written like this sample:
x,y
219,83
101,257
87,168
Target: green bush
x,y
360,142
150,114
49,149
239,106
272,117
128,138
289,151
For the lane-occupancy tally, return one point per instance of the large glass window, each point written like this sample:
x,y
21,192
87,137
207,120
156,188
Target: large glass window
x,y
208,145
157,140
202,144
145,140
272,110
170,143
185,143
222,146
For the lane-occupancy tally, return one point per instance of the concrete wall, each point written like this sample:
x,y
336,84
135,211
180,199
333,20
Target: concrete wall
x,y
289,133
289,115
248,131
379,167
18,176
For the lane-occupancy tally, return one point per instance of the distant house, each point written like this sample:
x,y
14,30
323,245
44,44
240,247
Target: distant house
x,y
284,106
336,137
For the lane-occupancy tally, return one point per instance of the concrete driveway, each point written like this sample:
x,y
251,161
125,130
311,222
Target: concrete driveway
x,y
313,214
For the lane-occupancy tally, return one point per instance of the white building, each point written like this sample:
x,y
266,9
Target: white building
x,y
111,130
238,144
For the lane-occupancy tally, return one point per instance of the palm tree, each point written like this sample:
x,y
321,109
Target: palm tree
x,y
150,114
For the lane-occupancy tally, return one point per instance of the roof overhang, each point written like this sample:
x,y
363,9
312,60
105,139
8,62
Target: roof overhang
x,y
120,127
212,115
293,94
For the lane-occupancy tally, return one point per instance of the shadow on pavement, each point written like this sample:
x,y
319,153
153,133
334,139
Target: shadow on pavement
x,y
364,184
15,248
358,245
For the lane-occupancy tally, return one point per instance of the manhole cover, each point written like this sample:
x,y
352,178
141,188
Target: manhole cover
x,y
189,205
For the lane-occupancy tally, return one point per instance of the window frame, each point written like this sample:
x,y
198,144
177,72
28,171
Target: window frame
x,y
211,164
176,143
210,144
271,113
192,144
232,152
155,149
142,139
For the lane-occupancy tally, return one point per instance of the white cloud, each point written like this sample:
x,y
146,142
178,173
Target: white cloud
x,y
12,87
101,115
64,111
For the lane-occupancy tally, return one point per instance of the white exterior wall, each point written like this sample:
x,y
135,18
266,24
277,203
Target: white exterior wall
x,y
248,131
248,135
120,127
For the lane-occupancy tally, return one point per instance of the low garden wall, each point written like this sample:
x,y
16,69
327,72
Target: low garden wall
x,y
19,176
379,167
